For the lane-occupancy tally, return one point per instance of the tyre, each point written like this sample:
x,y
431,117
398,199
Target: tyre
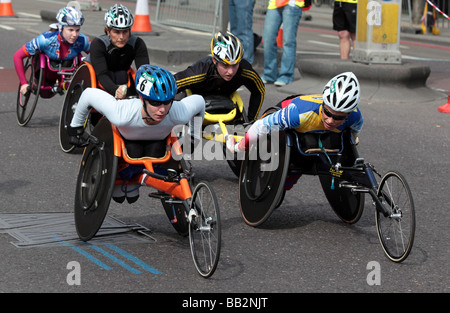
x,y
95,182
205,229
261,184
347,205
80,81
396,229
26,104
176,212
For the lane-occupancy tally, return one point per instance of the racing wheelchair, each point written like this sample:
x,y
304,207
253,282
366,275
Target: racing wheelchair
x,y
46,78
225,116
345,179
83,78
191,211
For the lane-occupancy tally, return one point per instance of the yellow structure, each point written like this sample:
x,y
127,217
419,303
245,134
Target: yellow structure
x,y
378,32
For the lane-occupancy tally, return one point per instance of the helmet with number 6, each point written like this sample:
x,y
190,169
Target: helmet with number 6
x,y
119,17
155,83
226,48
342,92
69,16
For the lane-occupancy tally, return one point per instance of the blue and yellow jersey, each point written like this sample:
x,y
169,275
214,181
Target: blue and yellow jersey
x,y
304,114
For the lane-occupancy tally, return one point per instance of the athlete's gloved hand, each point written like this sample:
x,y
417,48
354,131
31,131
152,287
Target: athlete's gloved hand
x,y
78,137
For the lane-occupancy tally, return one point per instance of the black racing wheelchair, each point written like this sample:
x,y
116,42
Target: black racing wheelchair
x,y
345,179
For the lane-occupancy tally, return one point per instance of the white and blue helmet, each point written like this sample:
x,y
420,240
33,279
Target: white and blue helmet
x,y
119,17
69,16
342,92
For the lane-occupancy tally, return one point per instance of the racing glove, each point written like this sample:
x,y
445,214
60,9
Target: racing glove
x,y
78,137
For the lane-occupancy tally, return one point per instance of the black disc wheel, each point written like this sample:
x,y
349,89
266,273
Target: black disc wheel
x,y
261,184
95,182
80,82
177,214
347,205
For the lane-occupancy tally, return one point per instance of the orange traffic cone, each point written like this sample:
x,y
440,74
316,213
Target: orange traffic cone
x,y
6,8
445,108
142,19
280,37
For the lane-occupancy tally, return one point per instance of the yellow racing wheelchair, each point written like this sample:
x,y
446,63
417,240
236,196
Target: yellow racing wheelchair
x,y
225,116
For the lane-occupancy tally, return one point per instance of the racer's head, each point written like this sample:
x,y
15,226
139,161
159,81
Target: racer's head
x,y
69,23
156,87
119,21
341,96
227,52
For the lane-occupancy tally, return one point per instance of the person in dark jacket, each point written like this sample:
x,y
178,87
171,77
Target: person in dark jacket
x,y
113,53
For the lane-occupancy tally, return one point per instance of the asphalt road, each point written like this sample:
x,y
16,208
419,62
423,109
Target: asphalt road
x,y
303,247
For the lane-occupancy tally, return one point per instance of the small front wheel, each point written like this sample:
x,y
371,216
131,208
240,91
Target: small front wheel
x,y
204,229
396,226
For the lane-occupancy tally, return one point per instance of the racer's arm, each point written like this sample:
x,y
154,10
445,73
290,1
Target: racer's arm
x,y
357,124
256,87
192,75
86,43
104,103
190,110
285,118
141,51
18,64
98,61
27,50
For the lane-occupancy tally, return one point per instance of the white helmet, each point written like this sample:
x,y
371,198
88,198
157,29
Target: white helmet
x,y
119,17
342,92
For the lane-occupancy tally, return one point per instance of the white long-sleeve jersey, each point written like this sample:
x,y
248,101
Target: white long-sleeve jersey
x,y
126,115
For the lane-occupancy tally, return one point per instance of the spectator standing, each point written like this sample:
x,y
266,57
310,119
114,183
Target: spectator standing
x,y
288,13
241,25
344,22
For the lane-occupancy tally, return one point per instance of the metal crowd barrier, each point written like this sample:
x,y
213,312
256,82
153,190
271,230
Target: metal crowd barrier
x,y
208,15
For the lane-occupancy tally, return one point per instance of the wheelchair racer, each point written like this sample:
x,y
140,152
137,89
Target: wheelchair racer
x,y
334,111
143,122
62,43
223,73
113,53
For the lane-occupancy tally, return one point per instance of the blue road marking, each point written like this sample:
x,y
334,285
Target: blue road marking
x,y
130,257
105,253
112,257
87,255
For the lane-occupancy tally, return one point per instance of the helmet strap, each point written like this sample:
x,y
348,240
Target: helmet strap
x,y
148,117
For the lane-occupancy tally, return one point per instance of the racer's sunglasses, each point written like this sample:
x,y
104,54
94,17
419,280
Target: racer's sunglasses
x,y
159,103
333,116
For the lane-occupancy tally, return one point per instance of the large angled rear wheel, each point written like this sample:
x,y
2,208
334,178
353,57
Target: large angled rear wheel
x,y
80,81
26,104
261,184
95,182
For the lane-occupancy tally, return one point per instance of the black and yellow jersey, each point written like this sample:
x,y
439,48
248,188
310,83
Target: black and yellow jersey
x,y
202,78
